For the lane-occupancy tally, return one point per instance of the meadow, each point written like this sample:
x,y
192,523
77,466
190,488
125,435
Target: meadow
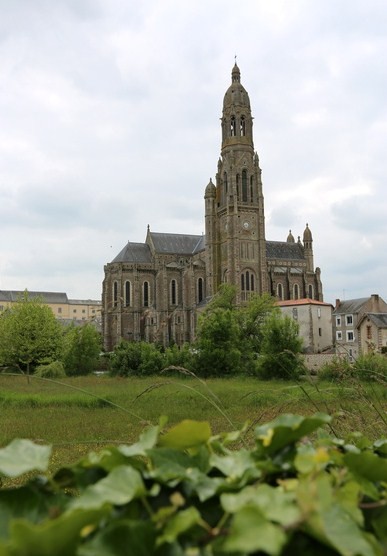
x,y
79,414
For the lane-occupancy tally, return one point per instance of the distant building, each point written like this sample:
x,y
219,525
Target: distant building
x,y
314,319
372,329
347,315
63,308
152,291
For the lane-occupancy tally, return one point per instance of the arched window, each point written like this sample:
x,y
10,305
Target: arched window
x,y
296,292
247,284
244,186
280,291
115,293
251,189
145,294
127,297
225,182
232,127
173,292
243,126
200,290
310,291
237,186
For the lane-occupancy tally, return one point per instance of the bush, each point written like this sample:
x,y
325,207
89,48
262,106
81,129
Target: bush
x,y
51,370
82,346
136,358
183,491
179,357
371,367
337,370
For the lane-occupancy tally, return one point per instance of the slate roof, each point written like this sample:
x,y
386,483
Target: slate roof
x,y
379,319
177,244
134,253
351,306
284,250
47,297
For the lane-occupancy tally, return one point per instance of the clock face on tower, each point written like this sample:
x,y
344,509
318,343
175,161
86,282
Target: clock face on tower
x,y
246,224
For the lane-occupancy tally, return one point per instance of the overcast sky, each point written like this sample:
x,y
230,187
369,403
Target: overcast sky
x,y
109,121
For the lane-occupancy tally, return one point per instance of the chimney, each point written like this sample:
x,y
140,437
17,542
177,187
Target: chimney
x,y
337,303
375,303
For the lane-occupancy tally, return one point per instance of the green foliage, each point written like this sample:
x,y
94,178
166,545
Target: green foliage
x,y
82,347
371,367
184,491
337,370
136,358
281,348
29,334
55,369
176,356
229,337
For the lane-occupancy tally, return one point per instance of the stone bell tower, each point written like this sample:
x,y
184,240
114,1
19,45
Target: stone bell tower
x,y
234,213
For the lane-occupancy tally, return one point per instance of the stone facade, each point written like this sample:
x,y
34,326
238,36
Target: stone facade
x,y
153,291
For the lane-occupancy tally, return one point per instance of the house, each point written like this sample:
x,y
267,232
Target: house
x,y
314,319
63,308
372,331
346,317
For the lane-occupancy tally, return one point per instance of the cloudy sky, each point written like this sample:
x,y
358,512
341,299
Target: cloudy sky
x,y
109,121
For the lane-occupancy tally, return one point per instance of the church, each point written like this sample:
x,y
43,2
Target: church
x,y
154,291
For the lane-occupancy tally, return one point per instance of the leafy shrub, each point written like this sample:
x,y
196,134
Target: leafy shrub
x,y
176,356
82,346
337,370
51,370
183,491
136,358
371,367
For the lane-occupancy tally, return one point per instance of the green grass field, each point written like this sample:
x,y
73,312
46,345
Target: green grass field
x,y
77,415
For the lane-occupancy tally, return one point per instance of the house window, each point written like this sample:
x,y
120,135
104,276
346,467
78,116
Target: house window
x,y
338,321
310,291
339,335
59,310
348,320
200,290
173,292
350,336
369,332
74,310
145,294
350,355
127,298
83,310
320,332
318,312
295,313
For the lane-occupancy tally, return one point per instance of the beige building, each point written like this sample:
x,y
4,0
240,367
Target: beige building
x,y
372,329
350,340
314,319
62,307
153,290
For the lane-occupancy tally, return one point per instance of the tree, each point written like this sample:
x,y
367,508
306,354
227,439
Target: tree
x,y
82,347
281,348
29,334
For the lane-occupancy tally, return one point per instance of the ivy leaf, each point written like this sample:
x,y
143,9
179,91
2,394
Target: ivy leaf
x,y
368,465
55,536
273,502
178,524
147,440
121,486
22,456
251,532
134,538
287,429
186,434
